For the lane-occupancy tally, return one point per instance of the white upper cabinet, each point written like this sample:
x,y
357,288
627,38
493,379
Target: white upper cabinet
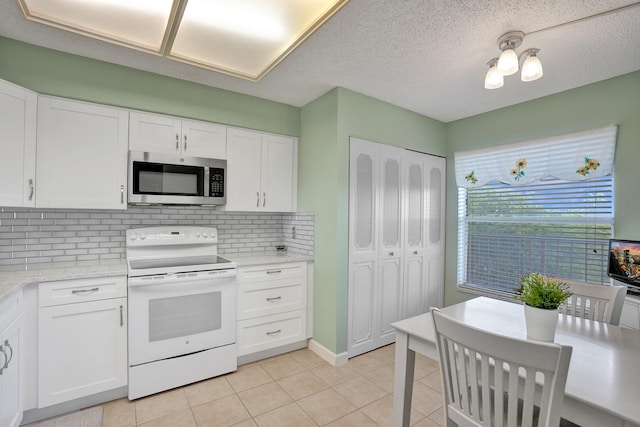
x,y
165,134
262,171
81,155
18,108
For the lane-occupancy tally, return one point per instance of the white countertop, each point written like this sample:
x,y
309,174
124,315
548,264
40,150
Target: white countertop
x,y
10,280
268,257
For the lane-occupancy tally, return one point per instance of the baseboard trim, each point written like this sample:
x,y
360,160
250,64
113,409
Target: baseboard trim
x,y
328,355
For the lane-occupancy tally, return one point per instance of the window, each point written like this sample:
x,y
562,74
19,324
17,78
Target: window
x,y
543,206
559,228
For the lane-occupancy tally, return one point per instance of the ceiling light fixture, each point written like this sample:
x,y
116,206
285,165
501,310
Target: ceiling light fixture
x,y
509,62
494,78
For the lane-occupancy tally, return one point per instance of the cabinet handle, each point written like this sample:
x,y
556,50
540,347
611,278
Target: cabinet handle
x,y
121,317
31,188
264,199
257,199
415,252
7,345
274,332
84,291
6,359
390,253
272,299
274,271
122,194
177,142
185,143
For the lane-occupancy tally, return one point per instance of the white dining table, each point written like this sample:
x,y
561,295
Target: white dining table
x,y
603,383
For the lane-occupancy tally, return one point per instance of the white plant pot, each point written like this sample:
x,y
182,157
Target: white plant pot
x,y
541,323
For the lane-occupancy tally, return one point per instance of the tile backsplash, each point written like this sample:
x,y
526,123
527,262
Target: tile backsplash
x,y
36,236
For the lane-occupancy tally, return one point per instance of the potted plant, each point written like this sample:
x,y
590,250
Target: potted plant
x,y
541,295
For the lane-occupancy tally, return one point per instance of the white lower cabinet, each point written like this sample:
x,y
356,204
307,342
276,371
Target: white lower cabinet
x,y
82,338
272,306
11,383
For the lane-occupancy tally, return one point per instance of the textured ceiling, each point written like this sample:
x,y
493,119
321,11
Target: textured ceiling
x,y
428,56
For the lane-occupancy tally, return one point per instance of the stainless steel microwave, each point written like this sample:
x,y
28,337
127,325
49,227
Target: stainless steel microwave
x,y
166,179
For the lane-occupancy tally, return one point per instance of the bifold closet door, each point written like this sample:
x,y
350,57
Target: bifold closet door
x,y
415,295
363,246
390,255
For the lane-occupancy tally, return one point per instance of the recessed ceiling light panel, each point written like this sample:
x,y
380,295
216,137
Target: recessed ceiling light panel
x,y
135,23
244,38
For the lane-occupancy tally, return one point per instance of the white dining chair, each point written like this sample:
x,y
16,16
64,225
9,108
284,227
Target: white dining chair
x,y
602,303
513,382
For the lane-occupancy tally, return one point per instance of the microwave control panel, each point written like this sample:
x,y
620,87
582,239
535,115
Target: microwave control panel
x,y
216,182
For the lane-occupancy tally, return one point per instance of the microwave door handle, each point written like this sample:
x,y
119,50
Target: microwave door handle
x,y
177,142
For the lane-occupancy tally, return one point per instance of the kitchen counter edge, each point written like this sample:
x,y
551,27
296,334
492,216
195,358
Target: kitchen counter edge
x,y
11,280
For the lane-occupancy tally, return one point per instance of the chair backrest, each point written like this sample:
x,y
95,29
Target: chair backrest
x,y
500,388
602,303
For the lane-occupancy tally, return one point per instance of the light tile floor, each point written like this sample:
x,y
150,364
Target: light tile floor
x,y
295,389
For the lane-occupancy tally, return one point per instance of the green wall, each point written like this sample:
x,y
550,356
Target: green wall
x,y
614,101
323,171
61,74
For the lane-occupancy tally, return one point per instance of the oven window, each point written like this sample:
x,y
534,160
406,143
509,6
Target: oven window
x,y
163,179
183,316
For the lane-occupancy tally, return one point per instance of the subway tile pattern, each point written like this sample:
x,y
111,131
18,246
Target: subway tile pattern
x,y
36,236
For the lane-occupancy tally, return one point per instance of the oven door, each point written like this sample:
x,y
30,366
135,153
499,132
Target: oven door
x,y
177,314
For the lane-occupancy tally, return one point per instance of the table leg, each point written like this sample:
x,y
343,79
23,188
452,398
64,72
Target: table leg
x,y
403,380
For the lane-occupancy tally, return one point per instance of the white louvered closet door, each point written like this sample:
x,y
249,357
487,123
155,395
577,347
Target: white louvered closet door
x,y
390,255
415,295
363,246
396,252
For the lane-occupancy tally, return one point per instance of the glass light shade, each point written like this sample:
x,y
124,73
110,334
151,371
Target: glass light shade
x,y
494,78
531,69
508,62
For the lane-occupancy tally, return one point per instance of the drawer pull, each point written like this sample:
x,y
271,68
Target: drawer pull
x,y
274,271
274,332
84,291
6,359
272,299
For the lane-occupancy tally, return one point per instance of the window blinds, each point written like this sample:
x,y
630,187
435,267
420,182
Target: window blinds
x,y
510,226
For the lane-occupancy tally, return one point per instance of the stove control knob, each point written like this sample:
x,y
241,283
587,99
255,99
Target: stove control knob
x,y
133,236
212,234
198,234
143,236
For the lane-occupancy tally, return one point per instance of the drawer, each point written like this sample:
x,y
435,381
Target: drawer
x,y
81,290
10,307
265,298
268,332
272,272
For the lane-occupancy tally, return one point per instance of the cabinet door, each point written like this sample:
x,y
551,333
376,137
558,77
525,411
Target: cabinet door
x,y
81,155
18,145
11,378
244,157
82,350
155,133
279,173
201,139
